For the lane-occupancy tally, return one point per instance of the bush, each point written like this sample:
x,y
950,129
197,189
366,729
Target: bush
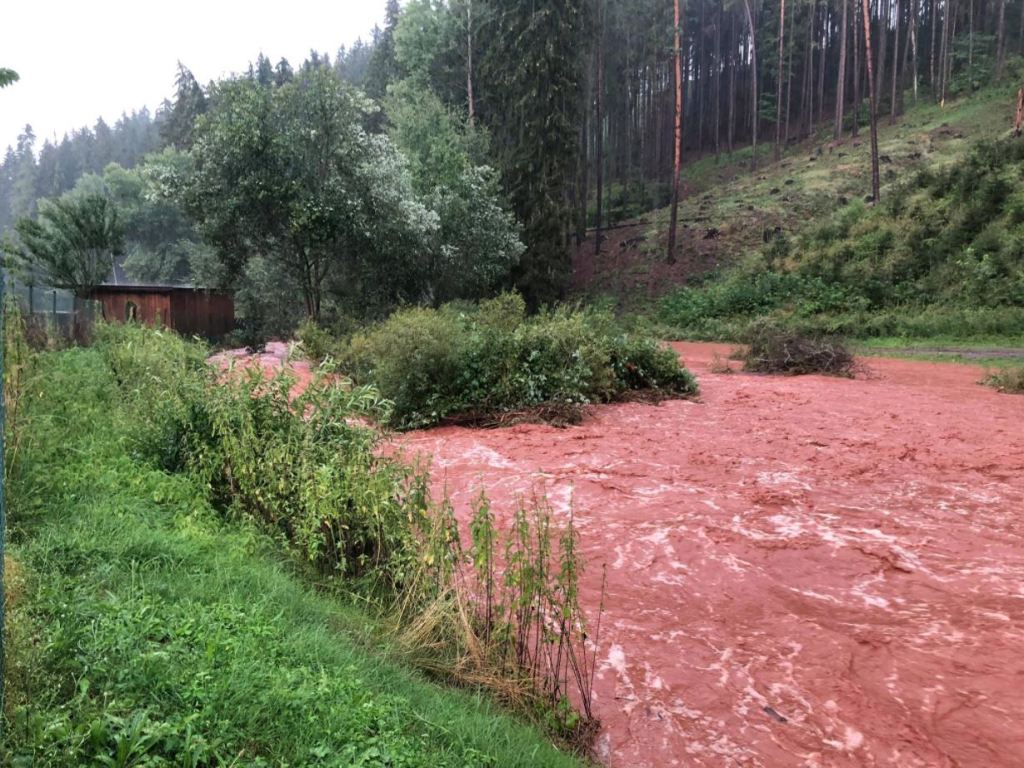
x,y
315,341
491,363
774,349
1009,379
304,467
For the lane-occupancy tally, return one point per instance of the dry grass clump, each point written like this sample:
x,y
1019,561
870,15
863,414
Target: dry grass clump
x,y
1010,379
719,365
775,349
556,414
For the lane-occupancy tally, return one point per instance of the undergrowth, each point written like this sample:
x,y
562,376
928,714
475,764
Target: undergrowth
x,y
943,254
151,634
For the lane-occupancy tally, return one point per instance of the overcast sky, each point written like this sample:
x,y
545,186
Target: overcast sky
x,y
79,60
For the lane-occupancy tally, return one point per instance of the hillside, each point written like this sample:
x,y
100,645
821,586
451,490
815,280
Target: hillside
x,y
730,210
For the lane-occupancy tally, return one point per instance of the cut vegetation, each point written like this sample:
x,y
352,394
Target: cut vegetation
x,y
772,349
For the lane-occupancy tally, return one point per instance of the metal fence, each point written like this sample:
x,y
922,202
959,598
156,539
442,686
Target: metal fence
x,y
52,313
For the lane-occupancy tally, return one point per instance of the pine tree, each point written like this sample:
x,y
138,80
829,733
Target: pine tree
x,y
189,103
383,68
532,72
677,125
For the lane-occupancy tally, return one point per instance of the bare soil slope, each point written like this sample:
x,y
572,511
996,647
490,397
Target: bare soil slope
x,y
729,209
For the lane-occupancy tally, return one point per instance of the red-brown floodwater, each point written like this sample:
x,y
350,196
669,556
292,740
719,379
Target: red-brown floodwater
x,y
801,571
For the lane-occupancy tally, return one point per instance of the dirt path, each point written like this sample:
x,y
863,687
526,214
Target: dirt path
x,y
801,572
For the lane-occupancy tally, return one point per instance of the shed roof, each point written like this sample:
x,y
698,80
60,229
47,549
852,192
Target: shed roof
x,y
151,288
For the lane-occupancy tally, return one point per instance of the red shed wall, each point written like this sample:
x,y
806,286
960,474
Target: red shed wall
x,y
150,307
202,313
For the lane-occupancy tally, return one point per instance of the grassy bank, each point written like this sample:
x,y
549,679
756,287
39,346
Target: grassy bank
x,y
940,257
145,630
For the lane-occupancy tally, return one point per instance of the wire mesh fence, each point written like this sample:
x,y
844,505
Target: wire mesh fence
x,y
52,314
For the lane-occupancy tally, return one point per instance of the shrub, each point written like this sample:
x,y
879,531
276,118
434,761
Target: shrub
x,y
490,363
1009,379
305,467
414,358
774,349
315,341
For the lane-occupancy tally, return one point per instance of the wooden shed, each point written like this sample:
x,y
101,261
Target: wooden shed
x,y
189,311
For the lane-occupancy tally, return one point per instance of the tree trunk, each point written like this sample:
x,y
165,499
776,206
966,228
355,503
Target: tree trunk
x,y
837,132
700,71
807,87
1020,30
1018,119
970,44
913,43
583,201
1001,41
753,84
931,52
778,80
599,128
895,65
789,76
730,129
872,104
678,126
948,58
884,13
469,62
717,84
856,68
942,55
823,37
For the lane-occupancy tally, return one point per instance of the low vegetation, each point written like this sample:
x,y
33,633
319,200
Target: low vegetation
x,y
774,349
491,363
158,623
1009,379
942,256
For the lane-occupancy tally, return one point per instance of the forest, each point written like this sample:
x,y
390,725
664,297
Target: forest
x,y
470,147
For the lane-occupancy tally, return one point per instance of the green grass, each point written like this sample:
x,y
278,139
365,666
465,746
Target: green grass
x,y
939,257
979,350
145,632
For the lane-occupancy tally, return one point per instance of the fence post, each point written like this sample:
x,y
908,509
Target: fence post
x,y
54,307
3,509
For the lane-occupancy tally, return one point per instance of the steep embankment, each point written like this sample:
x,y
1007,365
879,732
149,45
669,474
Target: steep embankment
x,y
730,209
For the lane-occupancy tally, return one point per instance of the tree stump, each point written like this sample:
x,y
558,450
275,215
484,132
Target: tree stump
x,y
1018,122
